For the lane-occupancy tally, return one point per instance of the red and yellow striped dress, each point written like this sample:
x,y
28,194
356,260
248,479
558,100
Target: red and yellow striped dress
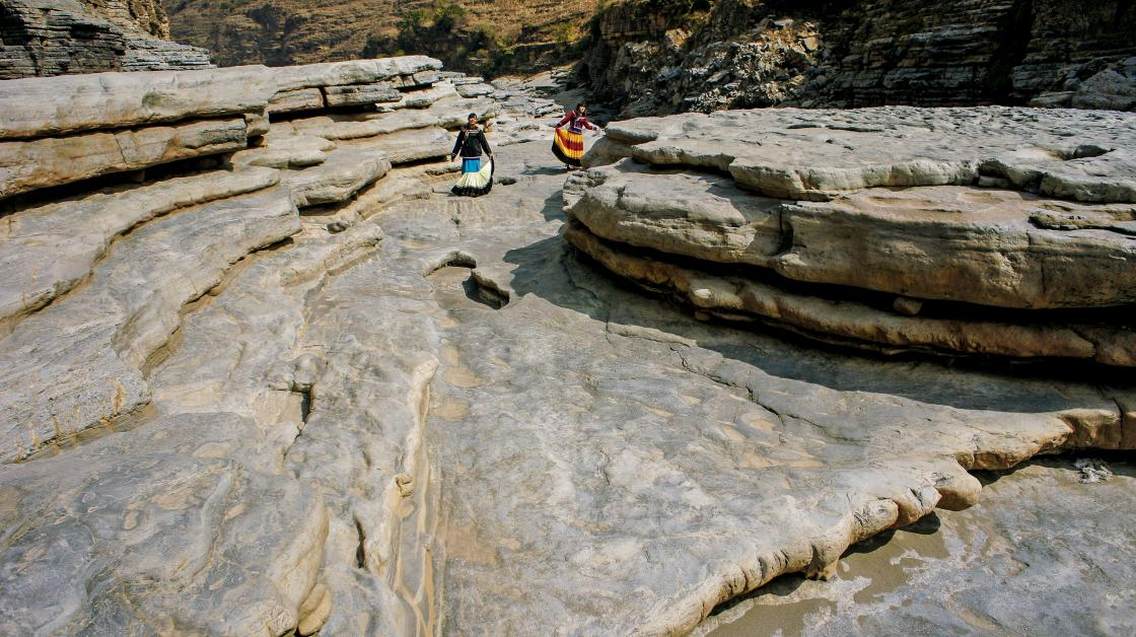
x,y
568,144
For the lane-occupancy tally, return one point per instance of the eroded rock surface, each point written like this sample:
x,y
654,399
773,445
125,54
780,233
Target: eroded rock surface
x,y
54,37
968,571
833,222
396,411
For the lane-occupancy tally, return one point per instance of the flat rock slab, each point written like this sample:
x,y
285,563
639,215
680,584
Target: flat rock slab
x,y
361,94
54,161
173,521
409,146
297,99
285,150
51,106
445,113
355,72
814,154
123,315
957,243
345,172
48,250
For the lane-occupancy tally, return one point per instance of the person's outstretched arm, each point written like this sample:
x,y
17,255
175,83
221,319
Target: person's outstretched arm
x,y
567,118
457,144
485,144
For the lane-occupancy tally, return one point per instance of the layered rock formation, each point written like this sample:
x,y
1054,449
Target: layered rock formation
x,y
955,230
682,56
40,37
288,385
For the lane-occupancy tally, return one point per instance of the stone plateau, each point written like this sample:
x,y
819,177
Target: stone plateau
x,y
292,386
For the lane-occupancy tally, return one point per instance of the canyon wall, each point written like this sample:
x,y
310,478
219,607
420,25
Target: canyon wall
x,y
464,35
57,37
703,56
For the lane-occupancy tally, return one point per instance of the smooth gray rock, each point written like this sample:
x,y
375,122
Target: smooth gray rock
x,y
124,315
54,161
816,154
297,99
344,173
48,250
283,150
367,71
40,107
360,94
462,428
736,297
445,113
151,531
956,243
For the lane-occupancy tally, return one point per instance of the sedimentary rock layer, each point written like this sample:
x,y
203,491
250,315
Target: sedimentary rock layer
x,y
402,412
957,243
58,131
802,216
41,37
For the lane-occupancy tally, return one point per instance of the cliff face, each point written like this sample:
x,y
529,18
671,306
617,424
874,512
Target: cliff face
x,y
56,37
146,16
281,32
742,53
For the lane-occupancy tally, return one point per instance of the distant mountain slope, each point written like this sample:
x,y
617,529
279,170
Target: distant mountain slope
x,y
279,32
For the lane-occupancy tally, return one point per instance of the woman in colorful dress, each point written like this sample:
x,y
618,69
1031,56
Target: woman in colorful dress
x,y
568,144
476,175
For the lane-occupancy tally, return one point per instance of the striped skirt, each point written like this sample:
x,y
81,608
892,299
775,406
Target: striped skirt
x,y
568,146
476,178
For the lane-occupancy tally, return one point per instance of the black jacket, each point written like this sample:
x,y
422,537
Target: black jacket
x,y
471,141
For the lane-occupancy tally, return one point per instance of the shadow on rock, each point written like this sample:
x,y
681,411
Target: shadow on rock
x,y
552,270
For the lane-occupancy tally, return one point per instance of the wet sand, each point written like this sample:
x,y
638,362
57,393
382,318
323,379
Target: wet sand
x,y
1043,554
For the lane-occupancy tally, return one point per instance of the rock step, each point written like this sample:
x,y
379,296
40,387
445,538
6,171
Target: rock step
x,y
957,243
736,298
48,250
445,113
54,161
345,172
816,154
125,313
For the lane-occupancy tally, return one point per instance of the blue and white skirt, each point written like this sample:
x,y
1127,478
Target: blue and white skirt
x,y
476,178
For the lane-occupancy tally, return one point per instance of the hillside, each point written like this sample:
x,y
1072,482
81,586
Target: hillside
x,y
652,56
280,32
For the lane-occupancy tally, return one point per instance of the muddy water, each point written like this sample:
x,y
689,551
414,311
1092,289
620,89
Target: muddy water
x,y
1043,553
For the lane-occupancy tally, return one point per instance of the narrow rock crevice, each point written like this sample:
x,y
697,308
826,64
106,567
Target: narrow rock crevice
x,y
361,546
